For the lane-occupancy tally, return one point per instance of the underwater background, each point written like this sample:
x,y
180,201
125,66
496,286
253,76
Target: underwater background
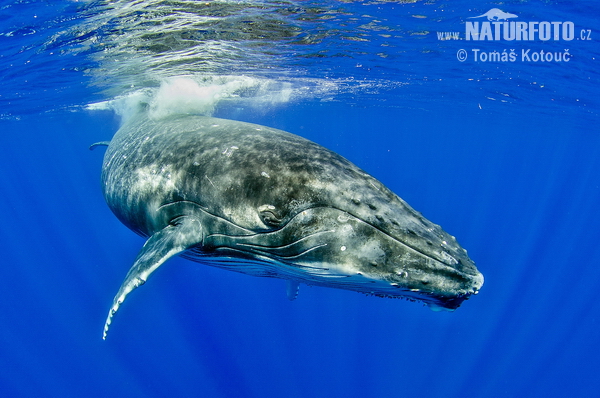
x,y
503,154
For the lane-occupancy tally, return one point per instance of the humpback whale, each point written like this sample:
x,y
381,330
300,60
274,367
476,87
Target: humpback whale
x,y
264,202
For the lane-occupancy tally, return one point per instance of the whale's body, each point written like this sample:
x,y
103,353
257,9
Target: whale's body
x,y
264,202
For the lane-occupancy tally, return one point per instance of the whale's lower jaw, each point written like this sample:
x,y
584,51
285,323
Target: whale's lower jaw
x,y
326,277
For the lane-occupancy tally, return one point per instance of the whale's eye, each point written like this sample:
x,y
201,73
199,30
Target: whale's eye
x,y
175,221
270,219
269,215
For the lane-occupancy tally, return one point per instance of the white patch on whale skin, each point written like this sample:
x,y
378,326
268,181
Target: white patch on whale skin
x,y
152,178
448,258
229,151
343,218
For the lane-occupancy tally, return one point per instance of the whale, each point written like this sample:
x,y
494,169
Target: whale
x,y
265,202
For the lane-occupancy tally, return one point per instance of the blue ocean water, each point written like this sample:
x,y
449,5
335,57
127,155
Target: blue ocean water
x,y
504,155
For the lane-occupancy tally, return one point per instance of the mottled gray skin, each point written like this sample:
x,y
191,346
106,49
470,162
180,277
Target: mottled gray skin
x,y
265,202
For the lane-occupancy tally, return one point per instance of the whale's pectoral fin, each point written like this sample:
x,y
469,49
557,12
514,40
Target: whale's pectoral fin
x,y
177,237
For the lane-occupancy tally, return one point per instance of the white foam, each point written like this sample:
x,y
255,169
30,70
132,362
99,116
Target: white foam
x,y
126,105
185,96
198,96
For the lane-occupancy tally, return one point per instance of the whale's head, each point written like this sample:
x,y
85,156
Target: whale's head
x,y
331,247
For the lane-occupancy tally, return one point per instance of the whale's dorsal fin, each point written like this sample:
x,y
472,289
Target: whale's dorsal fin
x,y
96,144
293,287
170,241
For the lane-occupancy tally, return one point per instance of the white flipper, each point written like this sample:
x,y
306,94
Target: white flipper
x,y
164,244
293,287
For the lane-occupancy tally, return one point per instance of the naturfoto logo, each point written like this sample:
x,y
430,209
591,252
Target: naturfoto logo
x,y
498,27
496,14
